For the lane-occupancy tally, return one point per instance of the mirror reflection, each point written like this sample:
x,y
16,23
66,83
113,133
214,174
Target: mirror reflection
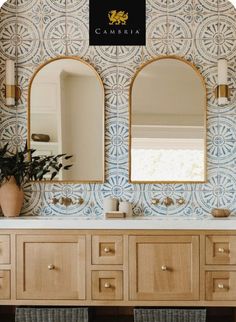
x,y
168,123
66,115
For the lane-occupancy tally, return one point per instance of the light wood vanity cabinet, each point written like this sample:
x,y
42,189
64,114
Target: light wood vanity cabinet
x,y
118,267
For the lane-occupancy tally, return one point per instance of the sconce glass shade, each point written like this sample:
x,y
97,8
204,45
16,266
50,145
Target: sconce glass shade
x,y
10,82
222,88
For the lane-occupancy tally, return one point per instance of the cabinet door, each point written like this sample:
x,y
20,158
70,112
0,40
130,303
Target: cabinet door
x,y
50,267
164,267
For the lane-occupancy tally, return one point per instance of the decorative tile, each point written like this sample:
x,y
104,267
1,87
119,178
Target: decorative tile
x,y
210,6
24,6
167,190
76,28
129,55
70,191
226,6
180,47
57,5
174,6
109,78
73,6
207,197
192,13
8,7
53,48
226,187
124,78
56,30
222,140
157,28
94,59
9,42
117,141
178,28
159,5
33,200
227,37
77,47
106,54
8,130
155,47
118,186
24,75
21,131
8,25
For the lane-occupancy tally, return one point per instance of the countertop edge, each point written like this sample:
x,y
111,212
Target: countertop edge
x,y
119,224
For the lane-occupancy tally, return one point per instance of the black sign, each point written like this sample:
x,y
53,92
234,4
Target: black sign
x,y
117,22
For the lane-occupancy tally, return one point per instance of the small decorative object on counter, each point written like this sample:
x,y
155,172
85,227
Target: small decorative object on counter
x,y
40,137
18,168
126,207
110,204
114,215
220,212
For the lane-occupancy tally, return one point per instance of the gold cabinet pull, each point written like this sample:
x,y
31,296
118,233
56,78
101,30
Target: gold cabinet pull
x,y
107,250
164,268
221,286
107,285
51,267
221,250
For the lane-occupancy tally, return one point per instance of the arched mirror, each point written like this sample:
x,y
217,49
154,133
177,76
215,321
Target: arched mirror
x,y
66,115
168,123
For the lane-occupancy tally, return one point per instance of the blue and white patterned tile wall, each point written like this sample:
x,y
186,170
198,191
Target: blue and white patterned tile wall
x,y
32,31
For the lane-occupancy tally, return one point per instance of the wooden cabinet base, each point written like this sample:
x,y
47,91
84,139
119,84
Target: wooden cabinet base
x,y
118,268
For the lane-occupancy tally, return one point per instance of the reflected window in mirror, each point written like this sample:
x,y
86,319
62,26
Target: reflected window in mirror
x,y
66,115
168,123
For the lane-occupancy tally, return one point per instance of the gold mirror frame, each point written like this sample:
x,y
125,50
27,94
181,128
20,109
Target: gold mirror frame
x,y
103,121
205,119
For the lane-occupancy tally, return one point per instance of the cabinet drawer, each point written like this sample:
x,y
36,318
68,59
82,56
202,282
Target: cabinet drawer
x,y
221,285
107,250
50,267
221,250
107,285
5,285
5,249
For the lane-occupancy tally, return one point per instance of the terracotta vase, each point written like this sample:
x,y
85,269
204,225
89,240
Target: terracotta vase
x,y
11,198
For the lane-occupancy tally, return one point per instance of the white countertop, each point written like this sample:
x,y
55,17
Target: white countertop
x,y
166,223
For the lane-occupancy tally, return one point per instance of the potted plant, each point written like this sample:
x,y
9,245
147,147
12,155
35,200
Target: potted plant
x,y
18,168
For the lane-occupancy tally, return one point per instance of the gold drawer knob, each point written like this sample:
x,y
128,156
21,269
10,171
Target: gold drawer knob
x,y
51,267
164,268
221,286
107,250
107,285
221,250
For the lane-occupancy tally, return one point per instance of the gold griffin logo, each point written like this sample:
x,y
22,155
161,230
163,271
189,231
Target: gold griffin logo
x,y
117,17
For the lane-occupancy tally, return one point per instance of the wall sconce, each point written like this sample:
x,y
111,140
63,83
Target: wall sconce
x,y
12,91
222,89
